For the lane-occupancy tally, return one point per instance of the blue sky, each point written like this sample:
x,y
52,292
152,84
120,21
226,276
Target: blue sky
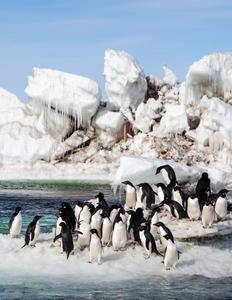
x,y
71,35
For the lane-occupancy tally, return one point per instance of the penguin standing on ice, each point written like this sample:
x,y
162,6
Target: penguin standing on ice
x,y
174,208
85,214
131,196
119,236
203,189
77,210
15,223
114,209
68,215
193,208
165,233
171,254
67,240
136,220
95,248
32,233
148,195
102,202
221,204
179,196
168,174
107,227
96,220
148,241
208,214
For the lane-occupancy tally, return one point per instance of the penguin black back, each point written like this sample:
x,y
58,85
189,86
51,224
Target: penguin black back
x,y
170,172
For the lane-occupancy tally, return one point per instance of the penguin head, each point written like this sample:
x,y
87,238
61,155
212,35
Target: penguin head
x,y
161,185
100,196
104,214
204,175
223,193
36,218
115,206
118,218
127,182
80,204
158,170
62,225
18,209
65,205
93,230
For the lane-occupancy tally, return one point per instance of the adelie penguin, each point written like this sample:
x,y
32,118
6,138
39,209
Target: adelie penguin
x,y
107,227
68,215
168,174
221,204
148,241
131,195
96,220
203,189
95,248
32,233
165,233
193,208
119,236
148,195
208,214
15,223
174,208
102,202
171,254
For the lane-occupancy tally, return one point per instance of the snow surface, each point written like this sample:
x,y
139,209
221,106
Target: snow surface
x,y
125,82
46,260
71,94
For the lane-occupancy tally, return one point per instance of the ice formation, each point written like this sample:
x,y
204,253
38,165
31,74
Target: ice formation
x,y
68,93
125,82
109,126
210,76
169,77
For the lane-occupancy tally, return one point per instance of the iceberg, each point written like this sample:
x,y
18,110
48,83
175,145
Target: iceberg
x,y
69,94
125,82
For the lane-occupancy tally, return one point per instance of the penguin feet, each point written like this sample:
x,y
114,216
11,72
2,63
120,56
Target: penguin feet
x,y
99,262
90,261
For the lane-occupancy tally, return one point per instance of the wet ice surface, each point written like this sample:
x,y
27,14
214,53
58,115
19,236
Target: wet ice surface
x,y
203,271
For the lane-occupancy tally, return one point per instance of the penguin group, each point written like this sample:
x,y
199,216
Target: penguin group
x,y
94,224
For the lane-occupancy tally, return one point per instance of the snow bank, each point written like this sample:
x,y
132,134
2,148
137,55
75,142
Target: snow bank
x,y
210,76
68,93
142,169
168,77
125,81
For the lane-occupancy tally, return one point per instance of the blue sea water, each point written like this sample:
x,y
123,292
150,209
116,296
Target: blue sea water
x,y
44,198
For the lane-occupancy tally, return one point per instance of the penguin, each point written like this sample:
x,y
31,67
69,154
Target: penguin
x,y
83,240
107,228
96,220
164,233
171,254
193,208
119,236
102,202
221,204
153,228
15,223
203,185
136,220
123,215
67,240
179,196
114,211
175,208
208,214
68,215
163,193
32,232
85,214
77,210
168,174
147,241
131,195
148,195
95,248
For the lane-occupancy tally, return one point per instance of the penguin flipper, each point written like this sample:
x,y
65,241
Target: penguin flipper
x,y
57,237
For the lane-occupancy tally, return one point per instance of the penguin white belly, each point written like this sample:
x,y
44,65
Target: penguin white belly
x,y
171,255
106,231
77,212
163,240
165,176
113,214
193,209
130,198
85,215
119,238
221,208
96,223
36,235
16,226
139,202
58,227
95,248
84,239
207,215
177,197
160,194
154,229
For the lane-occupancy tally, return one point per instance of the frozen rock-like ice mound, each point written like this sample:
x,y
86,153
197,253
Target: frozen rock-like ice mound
x,y
210,76
125,82
68,93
